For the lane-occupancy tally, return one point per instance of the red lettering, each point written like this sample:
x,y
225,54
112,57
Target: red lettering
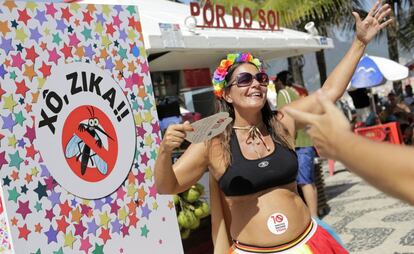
x,y
248,22
220,12
277,20
235,12
271,19
208,7
262,19
194,9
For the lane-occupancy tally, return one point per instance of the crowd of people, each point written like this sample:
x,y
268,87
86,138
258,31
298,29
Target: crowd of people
x,y
394,108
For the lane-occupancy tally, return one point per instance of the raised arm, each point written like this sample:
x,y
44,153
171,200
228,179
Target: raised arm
x,y
338,80
389,168
187,170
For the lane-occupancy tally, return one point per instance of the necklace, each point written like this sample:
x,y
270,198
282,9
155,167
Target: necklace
x,y
253,135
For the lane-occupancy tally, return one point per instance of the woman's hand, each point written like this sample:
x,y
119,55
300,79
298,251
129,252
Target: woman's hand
x,y
375,20
174,135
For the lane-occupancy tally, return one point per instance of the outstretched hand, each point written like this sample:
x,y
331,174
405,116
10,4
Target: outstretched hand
x,y
377,19
324,129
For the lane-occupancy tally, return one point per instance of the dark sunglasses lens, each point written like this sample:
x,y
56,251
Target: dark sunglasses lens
x,y
244,79
262,78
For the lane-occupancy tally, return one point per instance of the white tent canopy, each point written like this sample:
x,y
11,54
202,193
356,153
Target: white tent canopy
x,y
204,47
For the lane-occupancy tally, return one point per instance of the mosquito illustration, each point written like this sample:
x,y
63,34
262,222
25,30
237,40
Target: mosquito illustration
x,y
77,147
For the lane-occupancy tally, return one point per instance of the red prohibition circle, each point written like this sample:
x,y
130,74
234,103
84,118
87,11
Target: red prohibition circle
x,y
108,152
279,218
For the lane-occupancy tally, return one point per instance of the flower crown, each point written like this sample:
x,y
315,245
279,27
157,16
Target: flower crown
x,y
219,81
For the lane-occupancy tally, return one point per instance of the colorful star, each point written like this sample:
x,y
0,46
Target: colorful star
x,y
66,14
87,17
8,122
3,73
51,235
45,69
21,35
4,28
54,197
35,34
125,230
38,206
15,160
28,178
79,229
29,71
15,175
59,251
12,141
53,56
3,160
65,209
40,16
49,214
116,226
24,232
69,240
14,221
56,38
38,228
105,235
73,40
24,209
144,231
153,191
17,60
145,211
23,16
114,207
76,215
98,249
31,54
131,190
51,10
62,225
133,219
104,219
92,227
30,134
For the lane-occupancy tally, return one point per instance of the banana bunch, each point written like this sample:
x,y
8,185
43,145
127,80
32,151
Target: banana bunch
x,y
191,207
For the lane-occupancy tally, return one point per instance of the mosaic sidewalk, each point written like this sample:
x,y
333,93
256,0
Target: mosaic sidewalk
x,y
367,220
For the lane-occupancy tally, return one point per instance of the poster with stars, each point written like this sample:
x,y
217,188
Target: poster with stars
x,y
79,132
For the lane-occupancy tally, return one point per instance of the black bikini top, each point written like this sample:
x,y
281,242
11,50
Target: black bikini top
x,y
245,176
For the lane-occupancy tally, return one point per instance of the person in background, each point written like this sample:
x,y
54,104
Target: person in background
x,y
396,104
286,93
409,97
407,133
361,102
388,167
287,80
255,206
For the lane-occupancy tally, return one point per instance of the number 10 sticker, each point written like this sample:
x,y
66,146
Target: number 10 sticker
x,y
277,223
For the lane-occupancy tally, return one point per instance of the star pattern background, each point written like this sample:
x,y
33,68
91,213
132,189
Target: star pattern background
x,y
34,38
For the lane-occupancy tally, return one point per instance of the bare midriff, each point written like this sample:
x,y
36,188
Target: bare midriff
x,y
250,213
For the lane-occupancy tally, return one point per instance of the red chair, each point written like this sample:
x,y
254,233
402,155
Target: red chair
x,y
388,132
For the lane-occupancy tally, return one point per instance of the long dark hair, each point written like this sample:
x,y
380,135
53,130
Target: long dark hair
x,y
270,119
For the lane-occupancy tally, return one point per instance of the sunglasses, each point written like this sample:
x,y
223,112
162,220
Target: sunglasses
x,y
246,79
